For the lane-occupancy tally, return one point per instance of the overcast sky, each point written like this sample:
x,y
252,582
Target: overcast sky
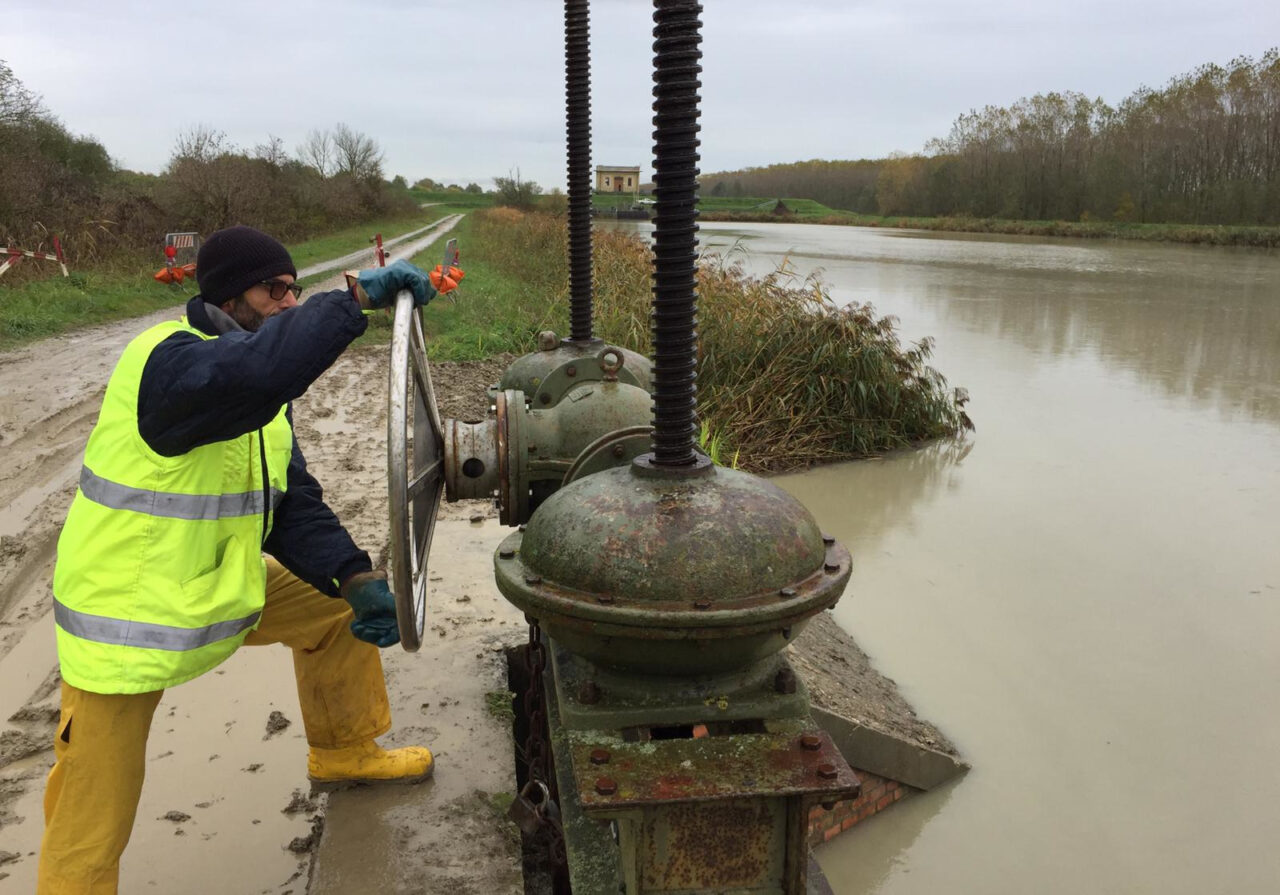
x,y
464,90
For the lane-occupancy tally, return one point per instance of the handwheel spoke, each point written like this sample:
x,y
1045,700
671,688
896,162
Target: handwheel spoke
x,y
422,481
424,542
421,378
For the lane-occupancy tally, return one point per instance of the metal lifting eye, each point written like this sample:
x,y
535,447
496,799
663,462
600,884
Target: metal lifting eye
x,y
610,361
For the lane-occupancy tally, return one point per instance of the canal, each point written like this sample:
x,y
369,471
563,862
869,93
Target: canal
x,y
1085,595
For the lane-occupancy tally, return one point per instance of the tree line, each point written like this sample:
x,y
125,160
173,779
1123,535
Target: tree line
x,y
1204,149
59,183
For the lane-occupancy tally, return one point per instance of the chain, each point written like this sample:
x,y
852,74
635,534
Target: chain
x,y
536,752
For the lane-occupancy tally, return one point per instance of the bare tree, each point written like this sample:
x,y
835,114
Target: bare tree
x,y
18,105
272,151
356,154
200,143
316,151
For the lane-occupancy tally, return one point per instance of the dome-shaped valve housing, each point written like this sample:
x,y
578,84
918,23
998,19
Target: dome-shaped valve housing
x,y
698,571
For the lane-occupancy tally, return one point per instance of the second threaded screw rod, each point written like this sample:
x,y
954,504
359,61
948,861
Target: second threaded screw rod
x,y
677,39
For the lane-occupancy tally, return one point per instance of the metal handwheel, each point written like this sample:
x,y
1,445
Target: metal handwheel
x,y
415,468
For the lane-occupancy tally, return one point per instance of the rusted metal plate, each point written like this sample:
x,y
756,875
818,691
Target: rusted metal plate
x,y
728,845
802,760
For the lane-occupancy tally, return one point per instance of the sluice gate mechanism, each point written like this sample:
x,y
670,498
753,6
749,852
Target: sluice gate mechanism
x,y
667,742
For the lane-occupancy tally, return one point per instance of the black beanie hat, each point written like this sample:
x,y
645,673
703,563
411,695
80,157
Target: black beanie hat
x,y
232,260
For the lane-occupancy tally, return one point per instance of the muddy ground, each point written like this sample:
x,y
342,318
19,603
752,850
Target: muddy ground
x,y
226,807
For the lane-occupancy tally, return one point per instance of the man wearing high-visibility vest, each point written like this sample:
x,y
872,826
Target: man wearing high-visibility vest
x,y
190,476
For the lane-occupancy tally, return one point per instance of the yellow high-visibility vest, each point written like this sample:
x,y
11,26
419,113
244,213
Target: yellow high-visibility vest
x,y
160,575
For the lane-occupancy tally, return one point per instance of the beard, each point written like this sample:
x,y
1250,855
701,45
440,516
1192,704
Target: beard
x,y
245,316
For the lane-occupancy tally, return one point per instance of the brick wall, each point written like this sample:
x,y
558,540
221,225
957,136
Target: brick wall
x,y
878,793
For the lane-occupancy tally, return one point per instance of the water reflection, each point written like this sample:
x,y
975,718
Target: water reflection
x,y
1218,353
882,842
1197,324
861,503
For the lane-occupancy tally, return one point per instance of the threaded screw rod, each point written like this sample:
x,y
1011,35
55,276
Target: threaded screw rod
x,y
677,36
577,73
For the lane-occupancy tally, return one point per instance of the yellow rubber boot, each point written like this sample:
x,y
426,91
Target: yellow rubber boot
x,y
368,762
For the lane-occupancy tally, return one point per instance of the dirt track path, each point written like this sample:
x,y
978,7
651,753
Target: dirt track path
x,y
50,393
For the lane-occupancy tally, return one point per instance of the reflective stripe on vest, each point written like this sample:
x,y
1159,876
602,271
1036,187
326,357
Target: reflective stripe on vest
x,y
122,632
115,496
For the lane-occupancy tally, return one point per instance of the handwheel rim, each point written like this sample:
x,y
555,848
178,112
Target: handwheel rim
x,y
415,474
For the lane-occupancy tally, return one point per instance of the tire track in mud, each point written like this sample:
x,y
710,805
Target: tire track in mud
x,y
42,461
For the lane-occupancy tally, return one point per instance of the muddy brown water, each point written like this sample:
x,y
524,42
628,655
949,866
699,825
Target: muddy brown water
x,y
1086,595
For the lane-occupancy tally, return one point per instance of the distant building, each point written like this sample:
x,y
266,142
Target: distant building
x,y
617,179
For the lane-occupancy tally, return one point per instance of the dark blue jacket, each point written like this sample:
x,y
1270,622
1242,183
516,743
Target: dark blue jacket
x,y
196,391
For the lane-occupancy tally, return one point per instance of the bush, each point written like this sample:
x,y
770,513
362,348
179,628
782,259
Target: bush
x,y
785,378
516,193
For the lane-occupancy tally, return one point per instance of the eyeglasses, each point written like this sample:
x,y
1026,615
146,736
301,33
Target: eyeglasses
x,y
278,289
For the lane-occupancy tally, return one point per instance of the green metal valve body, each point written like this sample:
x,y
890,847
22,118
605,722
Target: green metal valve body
x,y
584,416
529,372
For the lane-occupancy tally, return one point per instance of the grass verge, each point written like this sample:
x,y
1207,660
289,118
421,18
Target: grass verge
x,y
40,308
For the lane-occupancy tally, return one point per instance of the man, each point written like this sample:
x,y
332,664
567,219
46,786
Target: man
x,y
190,475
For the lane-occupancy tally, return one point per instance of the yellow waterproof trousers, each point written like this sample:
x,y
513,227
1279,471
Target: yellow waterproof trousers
x,y
92,793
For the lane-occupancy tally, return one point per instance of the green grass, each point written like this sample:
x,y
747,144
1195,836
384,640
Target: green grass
x,y
455,198
486,315
800,208
493,311
40,308
351,239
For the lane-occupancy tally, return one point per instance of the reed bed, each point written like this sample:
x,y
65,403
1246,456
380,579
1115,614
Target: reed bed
x,y
785,378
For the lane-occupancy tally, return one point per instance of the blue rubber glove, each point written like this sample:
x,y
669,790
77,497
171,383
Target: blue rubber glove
x,y
375,608
381,284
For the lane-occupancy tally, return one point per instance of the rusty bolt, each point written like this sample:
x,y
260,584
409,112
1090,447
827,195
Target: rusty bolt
x,y
811,742
785,681
589,693
619,450
600,756
533,580
832,567
506,554
571,370
604,599
547,340
828,540
544,398
701,604
827,771
787,593
606,786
